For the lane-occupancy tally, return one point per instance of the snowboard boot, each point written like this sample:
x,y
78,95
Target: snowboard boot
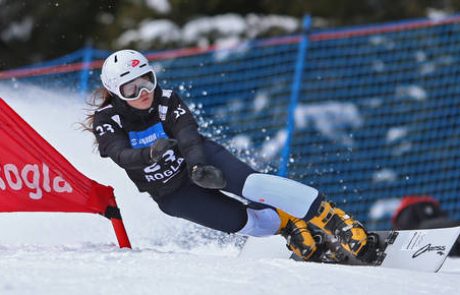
x,y
298,238
350,233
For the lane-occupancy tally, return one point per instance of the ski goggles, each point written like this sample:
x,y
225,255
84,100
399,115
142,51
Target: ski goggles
x,y
132,90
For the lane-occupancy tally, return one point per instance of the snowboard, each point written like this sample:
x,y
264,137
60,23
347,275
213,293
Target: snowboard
x,y
421,250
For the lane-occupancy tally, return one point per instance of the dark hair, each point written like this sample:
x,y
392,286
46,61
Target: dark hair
x,y
100,98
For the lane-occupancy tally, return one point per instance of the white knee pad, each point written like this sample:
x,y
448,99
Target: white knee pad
x,y
265,222
291,196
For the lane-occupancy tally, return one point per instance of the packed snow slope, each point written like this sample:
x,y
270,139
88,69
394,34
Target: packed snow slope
x,y
43,253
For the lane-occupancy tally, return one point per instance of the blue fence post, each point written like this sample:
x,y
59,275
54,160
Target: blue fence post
x,y
84,74
295,91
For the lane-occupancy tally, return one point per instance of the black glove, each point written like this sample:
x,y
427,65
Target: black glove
x,y
160,147
208,176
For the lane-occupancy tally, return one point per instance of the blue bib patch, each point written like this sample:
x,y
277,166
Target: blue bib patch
x,y
145,138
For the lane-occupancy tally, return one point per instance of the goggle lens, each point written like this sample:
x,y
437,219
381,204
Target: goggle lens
x,y
132,89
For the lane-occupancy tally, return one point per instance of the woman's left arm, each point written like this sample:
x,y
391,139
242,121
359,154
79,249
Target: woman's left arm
x,y
190,142
184,129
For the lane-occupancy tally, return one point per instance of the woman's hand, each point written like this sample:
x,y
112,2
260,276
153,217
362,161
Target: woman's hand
x,y
208,176
159,147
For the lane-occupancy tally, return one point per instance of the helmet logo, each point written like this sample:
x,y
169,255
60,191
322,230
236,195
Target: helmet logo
x,y
134,62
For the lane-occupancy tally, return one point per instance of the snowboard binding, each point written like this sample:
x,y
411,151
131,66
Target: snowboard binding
x,y
298,238
330,250
343,237
335,222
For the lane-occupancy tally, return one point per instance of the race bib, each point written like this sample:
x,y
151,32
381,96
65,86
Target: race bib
x,y
145,138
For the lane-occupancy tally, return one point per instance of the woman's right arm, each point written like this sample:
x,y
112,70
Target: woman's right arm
x,y
113,142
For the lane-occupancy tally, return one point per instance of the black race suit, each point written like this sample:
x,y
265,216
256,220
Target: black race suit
x,y
125,134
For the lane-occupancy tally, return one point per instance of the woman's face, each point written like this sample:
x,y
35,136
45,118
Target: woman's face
x,y
144,102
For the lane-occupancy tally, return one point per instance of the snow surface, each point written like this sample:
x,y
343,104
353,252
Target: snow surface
x,y
414,92
161,6
333,119
384,208
201,31
396,133
163,31
384,175
43,253
20,30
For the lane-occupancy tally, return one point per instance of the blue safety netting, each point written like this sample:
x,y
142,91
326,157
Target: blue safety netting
x,y
379,119
377,116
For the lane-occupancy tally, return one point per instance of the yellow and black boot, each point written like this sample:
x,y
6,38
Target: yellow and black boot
x,y
350,233
298,238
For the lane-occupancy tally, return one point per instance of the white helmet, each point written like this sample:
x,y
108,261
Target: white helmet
x,y
125,66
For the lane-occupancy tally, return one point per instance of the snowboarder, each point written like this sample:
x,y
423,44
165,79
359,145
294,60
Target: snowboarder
x,y
150,133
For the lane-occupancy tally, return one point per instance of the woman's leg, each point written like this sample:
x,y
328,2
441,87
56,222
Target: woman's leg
x,y
206,207
213,209
262,220
321,215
